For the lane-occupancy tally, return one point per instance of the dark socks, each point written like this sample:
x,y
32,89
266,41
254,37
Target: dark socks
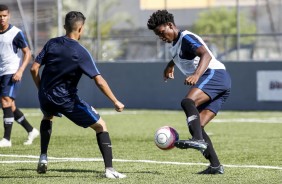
x,y
105,146
210,153
45,135
8,117
20,118
193,118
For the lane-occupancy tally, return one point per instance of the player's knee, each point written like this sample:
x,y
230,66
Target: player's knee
x,y
6,102
99,126
187,102
47,118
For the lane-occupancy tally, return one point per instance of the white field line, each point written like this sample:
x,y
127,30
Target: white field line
x,y
36,114
249,120
56,159
272,120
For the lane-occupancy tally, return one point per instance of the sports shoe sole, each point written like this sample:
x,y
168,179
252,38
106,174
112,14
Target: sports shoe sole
x,y
186,145
41,168
213,170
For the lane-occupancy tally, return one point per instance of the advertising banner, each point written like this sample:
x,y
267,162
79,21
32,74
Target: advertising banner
x,y
269,85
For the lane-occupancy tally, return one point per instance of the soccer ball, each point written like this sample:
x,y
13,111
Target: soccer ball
x,y
165,137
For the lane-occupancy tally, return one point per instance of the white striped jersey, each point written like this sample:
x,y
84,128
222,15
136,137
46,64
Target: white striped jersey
x,y
184,55
11,43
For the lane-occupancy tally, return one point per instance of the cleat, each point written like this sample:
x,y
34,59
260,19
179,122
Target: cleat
x,y
213,170
31,136
42,164
5,143
112,173
200,145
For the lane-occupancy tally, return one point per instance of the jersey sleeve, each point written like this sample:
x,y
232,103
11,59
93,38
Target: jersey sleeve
x,y
19,41
40,57
87,64
191,43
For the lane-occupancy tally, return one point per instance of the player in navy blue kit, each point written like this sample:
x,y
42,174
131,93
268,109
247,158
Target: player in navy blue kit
x,y
65,61
209,81
14,57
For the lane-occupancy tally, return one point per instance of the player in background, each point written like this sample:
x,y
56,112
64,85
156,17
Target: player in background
x,y
209,81
64,61
14,57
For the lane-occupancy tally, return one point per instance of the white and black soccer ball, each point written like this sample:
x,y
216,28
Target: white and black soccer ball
x,y
165,137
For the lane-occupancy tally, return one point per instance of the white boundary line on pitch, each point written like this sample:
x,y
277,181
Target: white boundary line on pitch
x,y
219,120
56,159
271,120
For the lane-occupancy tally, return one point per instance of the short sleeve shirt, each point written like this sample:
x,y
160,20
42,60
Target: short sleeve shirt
x,y
11,43
64,60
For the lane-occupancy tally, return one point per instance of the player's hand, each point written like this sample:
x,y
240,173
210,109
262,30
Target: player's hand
x,y
191,80
17,76
119,106
168,73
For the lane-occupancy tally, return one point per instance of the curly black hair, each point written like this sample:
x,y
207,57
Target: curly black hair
x,y
158,18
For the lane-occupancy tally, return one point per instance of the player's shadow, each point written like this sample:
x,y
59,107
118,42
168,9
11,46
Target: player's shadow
x,y
64,170
14,177
90,171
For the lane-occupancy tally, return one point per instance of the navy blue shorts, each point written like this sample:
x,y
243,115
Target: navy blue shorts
x,y
216,83
8,87
75,109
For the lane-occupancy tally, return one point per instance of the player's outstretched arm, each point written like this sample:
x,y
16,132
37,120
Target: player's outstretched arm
x,y
104,87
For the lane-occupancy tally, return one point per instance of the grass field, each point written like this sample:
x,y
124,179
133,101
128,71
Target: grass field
x,y
249,145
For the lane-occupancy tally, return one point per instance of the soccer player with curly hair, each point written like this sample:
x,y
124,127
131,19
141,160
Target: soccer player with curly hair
x,y
209,81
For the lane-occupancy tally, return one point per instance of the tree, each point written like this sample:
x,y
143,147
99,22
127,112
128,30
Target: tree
x,y
223,21
109,50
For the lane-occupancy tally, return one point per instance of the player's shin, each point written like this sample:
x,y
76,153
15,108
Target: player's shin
x,y
20,118
193,118
105,146
8,118
45,135
210,153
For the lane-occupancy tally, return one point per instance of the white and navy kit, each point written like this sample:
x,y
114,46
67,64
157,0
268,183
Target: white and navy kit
x,y
65,60
215,81
11,42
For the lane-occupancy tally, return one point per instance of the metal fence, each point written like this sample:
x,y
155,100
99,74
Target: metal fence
x,y
265,47
40,20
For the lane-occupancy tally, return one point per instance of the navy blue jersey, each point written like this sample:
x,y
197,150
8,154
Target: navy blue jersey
x,y
64,60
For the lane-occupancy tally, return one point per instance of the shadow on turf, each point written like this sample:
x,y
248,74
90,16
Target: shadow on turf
x,y
89,171
64,170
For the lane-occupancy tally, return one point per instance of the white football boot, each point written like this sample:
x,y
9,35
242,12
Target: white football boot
x,y
31,136
5,143
113,174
